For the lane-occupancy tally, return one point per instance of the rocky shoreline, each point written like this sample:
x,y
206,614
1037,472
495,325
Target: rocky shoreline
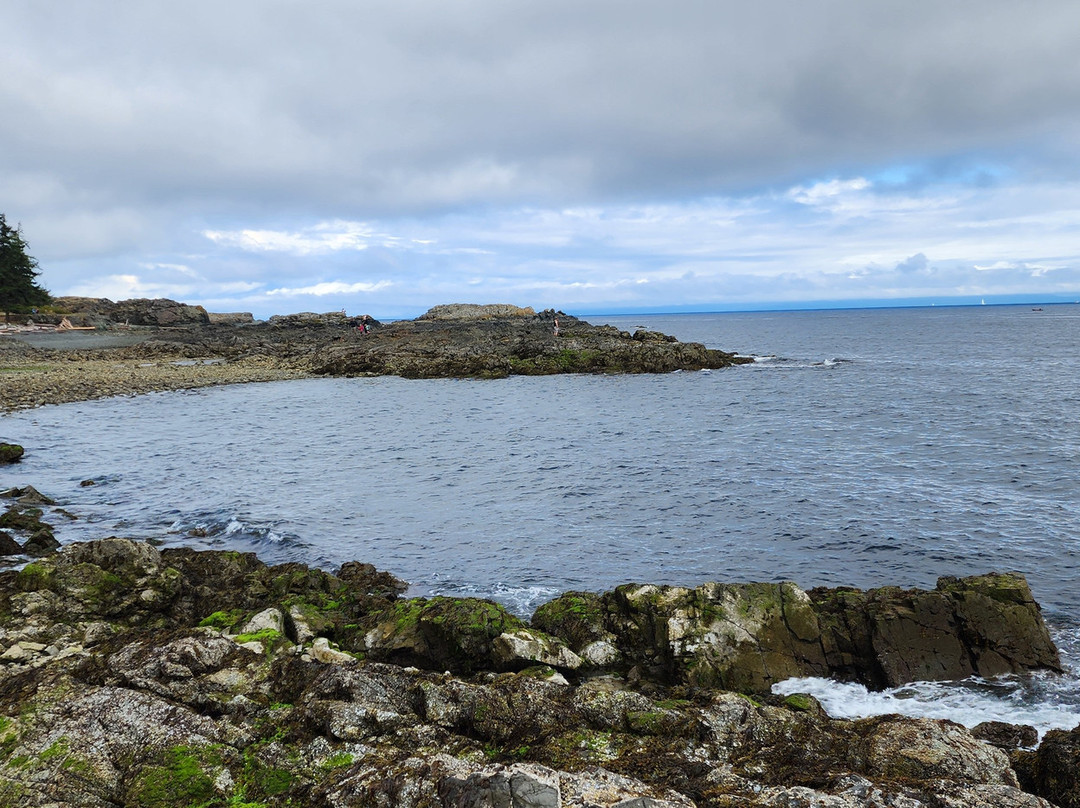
x,y
173,678
163,345
132,676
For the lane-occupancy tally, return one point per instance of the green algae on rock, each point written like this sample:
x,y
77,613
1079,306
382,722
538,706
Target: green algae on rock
x,y
10,453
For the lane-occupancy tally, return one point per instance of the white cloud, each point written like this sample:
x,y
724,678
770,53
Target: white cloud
x,y
330,288
180,268
319,239
706,152
127,286
828,191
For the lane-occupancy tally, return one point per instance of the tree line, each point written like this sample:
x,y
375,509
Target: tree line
x,y
19,289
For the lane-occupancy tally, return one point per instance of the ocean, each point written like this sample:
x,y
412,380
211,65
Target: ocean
x,y
862,447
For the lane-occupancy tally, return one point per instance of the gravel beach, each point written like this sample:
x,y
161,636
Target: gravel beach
x,y
54,368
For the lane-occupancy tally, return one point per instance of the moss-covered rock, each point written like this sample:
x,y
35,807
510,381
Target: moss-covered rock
x,y
22,518
577,618
10,453
441,633
1004,623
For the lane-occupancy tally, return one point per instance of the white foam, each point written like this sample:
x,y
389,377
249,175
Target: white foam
x,y
519,600
1044,701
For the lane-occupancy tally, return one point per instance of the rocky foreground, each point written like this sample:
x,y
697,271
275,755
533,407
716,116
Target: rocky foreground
x,y
173,346
132,676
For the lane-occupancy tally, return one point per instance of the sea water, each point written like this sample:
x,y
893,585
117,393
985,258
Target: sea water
x,y
862,448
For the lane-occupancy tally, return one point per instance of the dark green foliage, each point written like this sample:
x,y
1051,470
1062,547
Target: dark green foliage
x,y
18,289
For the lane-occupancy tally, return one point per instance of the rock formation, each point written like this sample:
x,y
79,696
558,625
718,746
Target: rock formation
x,y
498,341
23,517
155,338
747,637
10,453
136,676
100,312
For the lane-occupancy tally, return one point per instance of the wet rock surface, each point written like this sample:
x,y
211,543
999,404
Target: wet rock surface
x,y
133,676
23,531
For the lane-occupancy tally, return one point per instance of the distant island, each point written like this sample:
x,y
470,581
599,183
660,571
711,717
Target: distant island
x,y
83,348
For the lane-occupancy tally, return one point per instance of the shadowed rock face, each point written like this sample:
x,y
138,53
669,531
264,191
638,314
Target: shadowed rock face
x,y
1053,770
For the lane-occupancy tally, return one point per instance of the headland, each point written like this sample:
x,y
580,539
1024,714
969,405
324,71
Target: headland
x,y
96,348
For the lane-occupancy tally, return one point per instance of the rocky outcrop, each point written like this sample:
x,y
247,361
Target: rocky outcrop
x,y
747,637
10,453
307,319
498,341
159,312
1053,770
23,517
153,342
230,318
133,676
474,311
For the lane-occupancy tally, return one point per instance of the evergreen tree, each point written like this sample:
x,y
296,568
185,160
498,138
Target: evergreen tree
x,y
18,289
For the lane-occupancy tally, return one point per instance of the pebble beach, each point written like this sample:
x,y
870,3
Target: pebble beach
x,y
50,367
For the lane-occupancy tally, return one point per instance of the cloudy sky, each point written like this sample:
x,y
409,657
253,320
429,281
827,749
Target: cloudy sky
x,y
596,156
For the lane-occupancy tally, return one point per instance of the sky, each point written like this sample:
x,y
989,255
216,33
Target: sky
x,y
603,156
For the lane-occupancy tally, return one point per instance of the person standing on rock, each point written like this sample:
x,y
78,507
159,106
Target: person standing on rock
x,y
555,330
